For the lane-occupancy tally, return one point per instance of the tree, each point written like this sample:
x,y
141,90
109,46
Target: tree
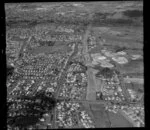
x,y
105,72
10,71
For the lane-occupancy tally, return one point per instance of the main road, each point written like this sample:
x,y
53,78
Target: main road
x,y
91,88
62,77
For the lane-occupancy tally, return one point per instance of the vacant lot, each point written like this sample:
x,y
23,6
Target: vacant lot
x,y
117,120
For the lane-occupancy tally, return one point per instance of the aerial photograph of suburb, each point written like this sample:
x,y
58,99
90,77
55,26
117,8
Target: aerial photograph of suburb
x,y
74,65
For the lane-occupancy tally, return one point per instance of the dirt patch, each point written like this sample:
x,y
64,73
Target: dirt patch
x,y
117,120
